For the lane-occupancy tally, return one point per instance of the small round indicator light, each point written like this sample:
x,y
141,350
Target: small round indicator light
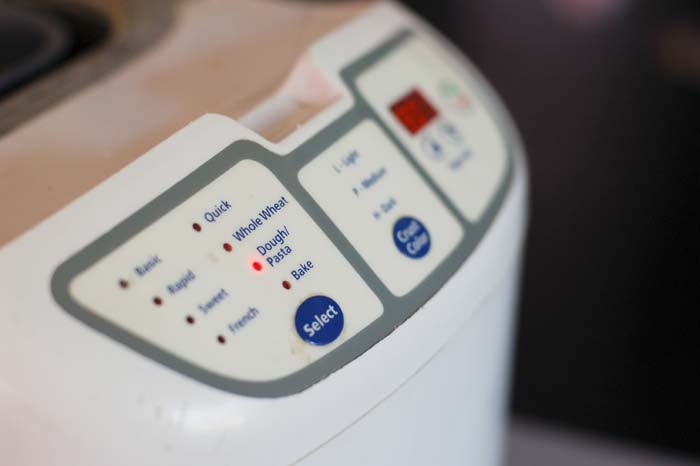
x,y
196,227
190,320
221,339
157,301
123,283
257,266
228,247
286,285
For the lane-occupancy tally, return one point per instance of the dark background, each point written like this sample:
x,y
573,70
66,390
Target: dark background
x,y
607,97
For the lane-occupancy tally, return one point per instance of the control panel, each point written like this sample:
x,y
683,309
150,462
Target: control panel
x,y
361,183
436,114
261,273
211,281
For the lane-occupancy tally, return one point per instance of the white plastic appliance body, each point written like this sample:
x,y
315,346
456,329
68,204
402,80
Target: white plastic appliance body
x,y
432,390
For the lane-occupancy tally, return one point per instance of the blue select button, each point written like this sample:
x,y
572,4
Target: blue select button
x,y
411,237
319,320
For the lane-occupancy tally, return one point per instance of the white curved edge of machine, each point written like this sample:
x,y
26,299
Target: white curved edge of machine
x,y
71,395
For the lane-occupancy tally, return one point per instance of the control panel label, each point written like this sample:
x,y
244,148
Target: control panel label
x,y
150,264
181,283
220,209
275,250
215,300
264,215
247,318
303,269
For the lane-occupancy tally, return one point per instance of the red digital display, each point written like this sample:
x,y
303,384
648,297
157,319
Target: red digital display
x,y
413,111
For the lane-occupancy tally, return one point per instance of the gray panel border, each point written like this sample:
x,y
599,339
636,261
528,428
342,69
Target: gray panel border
x,y
286,169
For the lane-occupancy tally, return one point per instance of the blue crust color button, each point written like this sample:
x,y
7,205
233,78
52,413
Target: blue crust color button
x,y
411,237
319,320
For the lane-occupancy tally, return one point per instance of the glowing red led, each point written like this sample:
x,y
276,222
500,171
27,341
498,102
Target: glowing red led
x,y
257,266
413,111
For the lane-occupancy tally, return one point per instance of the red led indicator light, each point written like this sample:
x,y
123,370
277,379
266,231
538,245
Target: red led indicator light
x,y
228,247
413,111
257,266
190,320
221,339
286,285
196,227
157,301
123,283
